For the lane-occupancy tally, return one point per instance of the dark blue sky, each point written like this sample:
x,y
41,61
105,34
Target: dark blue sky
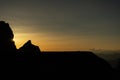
x,y
92,20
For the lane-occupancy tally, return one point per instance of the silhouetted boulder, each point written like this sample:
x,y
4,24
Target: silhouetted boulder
x,y
28,49
7,46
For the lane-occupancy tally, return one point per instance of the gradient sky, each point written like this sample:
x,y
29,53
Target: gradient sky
x,y
64,24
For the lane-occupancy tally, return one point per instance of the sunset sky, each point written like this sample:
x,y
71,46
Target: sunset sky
x,y
57,25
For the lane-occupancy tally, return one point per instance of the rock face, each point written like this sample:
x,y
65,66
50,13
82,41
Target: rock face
x,y
7,46
28,49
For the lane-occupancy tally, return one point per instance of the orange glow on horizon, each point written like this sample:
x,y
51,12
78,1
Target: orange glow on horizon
x,y
50,43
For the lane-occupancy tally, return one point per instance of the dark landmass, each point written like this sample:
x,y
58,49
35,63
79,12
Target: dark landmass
x,y
111,57
30,59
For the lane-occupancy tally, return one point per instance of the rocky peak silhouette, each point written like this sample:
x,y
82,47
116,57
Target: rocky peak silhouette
x,y
5,31
29,49
7,46
28,43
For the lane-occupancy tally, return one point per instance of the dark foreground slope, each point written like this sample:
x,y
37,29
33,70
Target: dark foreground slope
x,y
63,64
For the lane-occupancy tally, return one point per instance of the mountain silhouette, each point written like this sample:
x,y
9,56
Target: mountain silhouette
x,y
29,58
29,49
7,46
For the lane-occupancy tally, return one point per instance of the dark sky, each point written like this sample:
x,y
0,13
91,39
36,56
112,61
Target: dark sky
x,y
96,22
